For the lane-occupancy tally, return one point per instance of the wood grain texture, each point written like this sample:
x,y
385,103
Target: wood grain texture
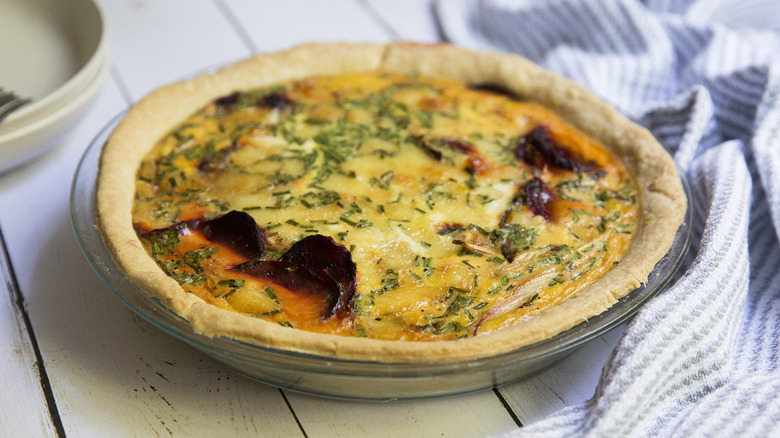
x,y
471,415
409,20
24,410
571,381
279,25
156,42
113,374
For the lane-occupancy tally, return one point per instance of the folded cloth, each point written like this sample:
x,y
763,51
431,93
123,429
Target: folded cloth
x,y
703,358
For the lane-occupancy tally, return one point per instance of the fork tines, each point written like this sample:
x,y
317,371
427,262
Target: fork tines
x,y
10,102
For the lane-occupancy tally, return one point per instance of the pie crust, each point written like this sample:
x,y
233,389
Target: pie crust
x,y
661,196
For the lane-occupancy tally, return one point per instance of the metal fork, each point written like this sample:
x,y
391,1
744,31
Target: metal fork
x,y
10,102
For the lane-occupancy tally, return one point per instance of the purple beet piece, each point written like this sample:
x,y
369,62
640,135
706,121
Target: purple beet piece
x,y
228,100
538,148
238,231
277,100
294,277
328,260
315,265
217,160
459,145
496,89
423,144
538,196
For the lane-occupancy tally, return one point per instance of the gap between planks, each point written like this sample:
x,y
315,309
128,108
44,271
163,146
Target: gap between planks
x,y
17,301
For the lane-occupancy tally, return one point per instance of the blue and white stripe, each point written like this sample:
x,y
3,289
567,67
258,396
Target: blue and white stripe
x,y
702,359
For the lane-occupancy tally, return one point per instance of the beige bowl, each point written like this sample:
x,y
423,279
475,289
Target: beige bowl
x,y
57,54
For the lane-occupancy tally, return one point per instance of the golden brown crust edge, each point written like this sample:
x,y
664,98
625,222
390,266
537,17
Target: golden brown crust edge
x,y
661,194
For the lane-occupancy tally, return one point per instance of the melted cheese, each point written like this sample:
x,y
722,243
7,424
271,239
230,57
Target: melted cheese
x,y
418,177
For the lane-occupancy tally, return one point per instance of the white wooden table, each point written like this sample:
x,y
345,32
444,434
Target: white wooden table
x,y
78,362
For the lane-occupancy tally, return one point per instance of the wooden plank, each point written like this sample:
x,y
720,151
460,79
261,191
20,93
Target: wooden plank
x,y
112,373
149,62
479,414
574,379
571,381
24,412
115,375
410,20
282,24
155,42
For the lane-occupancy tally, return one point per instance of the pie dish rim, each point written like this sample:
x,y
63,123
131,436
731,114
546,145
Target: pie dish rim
x,y
666,190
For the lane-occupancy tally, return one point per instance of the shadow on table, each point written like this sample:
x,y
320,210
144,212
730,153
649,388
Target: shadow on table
x,y
96,349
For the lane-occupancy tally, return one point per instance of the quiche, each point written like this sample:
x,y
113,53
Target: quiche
x,y
392,203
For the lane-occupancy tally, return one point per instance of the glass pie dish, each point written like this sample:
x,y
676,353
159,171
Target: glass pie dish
x,y
352,379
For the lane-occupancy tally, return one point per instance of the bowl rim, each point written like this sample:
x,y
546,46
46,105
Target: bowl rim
x,y
81,98
75,85
22,145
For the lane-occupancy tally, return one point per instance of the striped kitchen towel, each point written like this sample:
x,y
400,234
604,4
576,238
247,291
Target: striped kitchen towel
x,y
701,359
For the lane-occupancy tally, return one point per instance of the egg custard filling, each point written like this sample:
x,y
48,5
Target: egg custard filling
x,y
383,205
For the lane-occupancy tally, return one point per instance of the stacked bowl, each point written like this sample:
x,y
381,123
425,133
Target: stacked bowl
x,y
55,53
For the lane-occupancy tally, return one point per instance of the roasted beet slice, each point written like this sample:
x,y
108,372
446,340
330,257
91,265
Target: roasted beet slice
x,y
315,265
277,100
507,251
238,231
538,196
328,260
429,150
459,145
537,148
217,160
228,100
295,278
496,89
432,146
449,228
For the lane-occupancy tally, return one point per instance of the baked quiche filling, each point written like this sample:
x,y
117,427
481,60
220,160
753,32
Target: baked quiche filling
x,y
383,205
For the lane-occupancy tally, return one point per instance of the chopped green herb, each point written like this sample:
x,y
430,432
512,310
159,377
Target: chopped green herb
x,y
383,182
186,278
192,258
555,281
390,280
233,283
